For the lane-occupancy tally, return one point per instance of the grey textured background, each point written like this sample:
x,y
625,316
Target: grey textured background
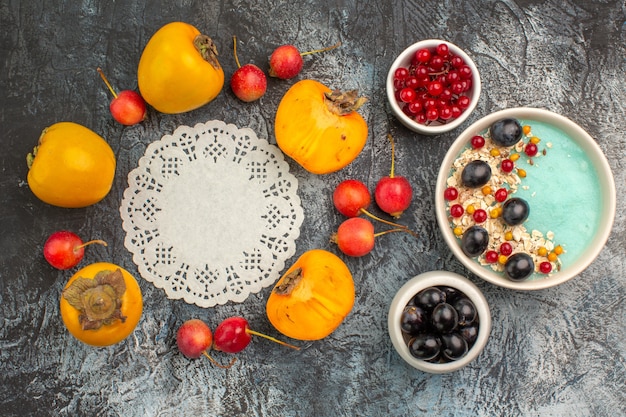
x,y
556,352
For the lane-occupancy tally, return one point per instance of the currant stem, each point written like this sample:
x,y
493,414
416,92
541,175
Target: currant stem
x,y
104,78
280,342
367,213
328,48
393,153
216,363
235,51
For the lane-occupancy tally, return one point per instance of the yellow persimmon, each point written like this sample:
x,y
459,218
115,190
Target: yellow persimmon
x,y
313,297
320,128
71,166
178,69
101,304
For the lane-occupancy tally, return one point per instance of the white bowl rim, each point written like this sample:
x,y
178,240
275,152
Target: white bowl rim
x,y
607,184
403,58
430,279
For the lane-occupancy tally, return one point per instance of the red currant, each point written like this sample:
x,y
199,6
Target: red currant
x,y
416,106
463,102
456,61
443,50
450,193
423,56
412,82
407,95
531,149
456,111
477,142
420,118
545,267
401,74
452,77
491,256
435,88
480,215
421,71
501,195
465,72
436,63
506,249
456,210
445,113
432,113
507,165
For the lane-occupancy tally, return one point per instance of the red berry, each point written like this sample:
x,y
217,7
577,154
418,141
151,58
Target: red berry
x,y
401,74
531,149
491,256
435,88
407,95
432,114
545,267
463,102
456,210
443,50
445,113
416,106
450,194
477,142
506,249
423,55
456,61
465,72
412,82
436,63
501,194
480,216
507,165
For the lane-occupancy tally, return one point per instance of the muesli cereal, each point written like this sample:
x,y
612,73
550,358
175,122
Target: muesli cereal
x,y
482,205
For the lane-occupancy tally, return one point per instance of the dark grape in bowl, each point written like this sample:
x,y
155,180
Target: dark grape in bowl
x,y
439,322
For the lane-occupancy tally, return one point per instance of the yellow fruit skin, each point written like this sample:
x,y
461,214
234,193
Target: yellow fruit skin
x,y
132,308
310,133
173,76
73,166
318,303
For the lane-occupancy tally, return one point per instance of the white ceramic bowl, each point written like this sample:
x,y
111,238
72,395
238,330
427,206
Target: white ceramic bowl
x,y
404,60
433,279
607,195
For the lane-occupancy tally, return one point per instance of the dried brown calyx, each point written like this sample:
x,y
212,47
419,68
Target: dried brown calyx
x,y
207,49
99,299
290,281
343,103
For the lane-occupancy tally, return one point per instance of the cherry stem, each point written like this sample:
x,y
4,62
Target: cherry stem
x,y
328,48
280,342
400,229
100,242
367,213
393,153
216,363
235,50
104,78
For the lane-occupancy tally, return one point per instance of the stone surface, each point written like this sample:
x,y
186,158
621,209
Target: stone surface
x,y
554,352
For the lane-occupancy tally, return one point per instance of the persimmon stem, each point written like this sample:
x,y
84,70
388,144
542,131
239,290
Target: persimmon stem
x,y
216,363
328,48
235,51
280,342
104,78
98,241
393,153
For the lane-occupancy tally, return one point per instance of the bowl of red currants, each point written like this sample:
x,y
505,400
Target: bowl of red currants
x,y
433,86
439,322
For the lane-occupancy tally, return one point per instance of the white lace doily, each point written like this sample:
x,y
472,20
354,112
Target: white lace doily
x,y
211,213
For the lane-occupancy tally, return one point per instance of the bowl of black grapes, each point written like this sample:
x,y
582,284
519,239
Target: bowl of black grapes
x,y
439,322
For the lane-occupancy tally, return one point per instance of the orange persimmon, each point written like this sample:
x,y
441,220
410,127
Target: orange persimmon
x,y
101,304
313,297
319,128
